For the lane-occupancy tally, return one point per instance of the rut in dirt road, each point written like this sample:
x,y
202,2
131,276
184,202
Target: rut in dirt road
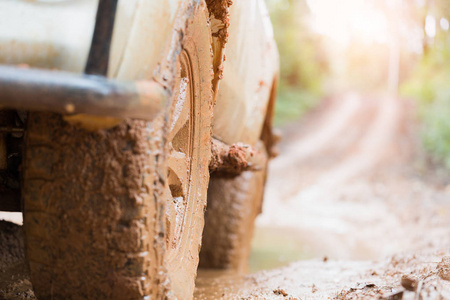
x,y
346,188
338,147
342,187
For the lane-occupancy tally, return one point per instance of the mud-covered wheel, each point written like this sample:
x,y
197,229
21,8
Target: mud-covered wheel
x,y
234,202
118,213
92,205
188,156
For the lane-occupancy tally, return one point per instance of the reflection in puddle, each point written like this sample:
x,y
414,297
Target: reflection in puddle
x,y
275,247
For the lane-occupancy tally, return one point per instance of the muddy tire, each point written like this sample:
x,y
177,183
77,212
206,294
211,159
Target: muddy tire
x,y
233,205
92,211
188,155
118,214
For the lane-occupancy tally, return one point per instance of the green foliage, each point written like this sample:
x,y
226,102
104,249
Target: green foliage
x,y
293,103
430,86
275,247
430,76
302,66
436,129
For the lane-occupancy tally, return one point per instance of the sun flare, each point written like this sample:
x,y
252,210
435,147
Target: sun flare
x,y
346,20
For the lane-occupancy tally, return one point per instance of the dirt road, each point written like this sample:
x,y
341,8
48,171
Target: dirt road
x,y
354,184
351,187
352,196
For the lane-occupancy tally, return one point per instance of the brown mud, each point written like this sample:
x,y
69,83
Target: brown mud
x,y
320,279
232,157
14,275
352,185
233,204
188,154
220,10
365,207
87,194
94,201
219,21
236,158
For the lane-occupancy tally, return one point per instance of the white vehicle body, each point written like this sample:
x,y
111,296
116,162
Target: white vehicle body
x,y
57,34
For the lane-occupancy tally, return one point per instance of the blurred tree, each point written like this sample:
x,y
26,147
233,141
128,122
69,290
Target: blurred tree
x,y
302,61
430,81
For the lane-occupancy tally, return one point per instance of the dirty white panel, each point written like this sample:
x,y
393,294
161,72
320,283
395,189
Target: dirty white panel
x,y
58,33
149,23
250,67
47,34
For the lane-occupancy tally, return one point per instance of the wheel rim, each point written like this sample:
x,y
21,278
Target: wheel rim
x,y
188,151
181,140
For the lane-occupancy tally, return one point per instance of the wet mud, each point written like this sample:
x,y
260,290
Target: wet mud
x,y
366,208
352,182
220,11
14,277
233,204
87,194
235,159
94,201
407,276
219,23
354,196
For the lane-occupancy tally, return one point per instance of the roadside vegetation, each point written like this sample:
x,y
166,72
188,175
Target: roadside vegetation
x,y
303,66
429,84
354,58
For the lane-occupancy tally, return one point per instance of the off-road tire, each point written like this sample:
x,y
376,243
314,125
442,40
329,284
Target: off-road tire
x,y
92,210
96,204
185,211
234,202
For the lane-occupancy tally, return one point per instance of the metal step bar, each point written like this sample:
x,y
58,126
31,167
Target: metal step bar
x,y
68,93
92,94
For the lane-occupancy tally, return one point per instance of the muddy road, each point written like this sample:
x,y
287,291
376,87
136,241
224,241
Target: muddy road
x,y
352,183
351,197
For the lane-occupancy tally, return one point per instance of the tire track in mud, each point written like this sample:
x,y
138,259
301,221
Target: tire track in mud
x,y
371,148
334,122
344,188
307,157
338,195
338,190
305,182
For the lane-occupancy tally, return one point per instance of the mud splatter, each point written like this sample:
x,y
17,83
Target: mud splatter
x,y
235,159
444,268
219,22
220,11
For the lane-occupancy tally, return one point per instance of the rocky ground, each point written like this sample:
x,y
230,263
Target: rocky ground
x,y
351,198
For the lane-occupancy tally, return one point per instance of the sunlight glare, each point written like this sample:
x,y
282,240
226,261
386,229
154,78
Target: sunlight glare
x,y
430,26
444,24
346,20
